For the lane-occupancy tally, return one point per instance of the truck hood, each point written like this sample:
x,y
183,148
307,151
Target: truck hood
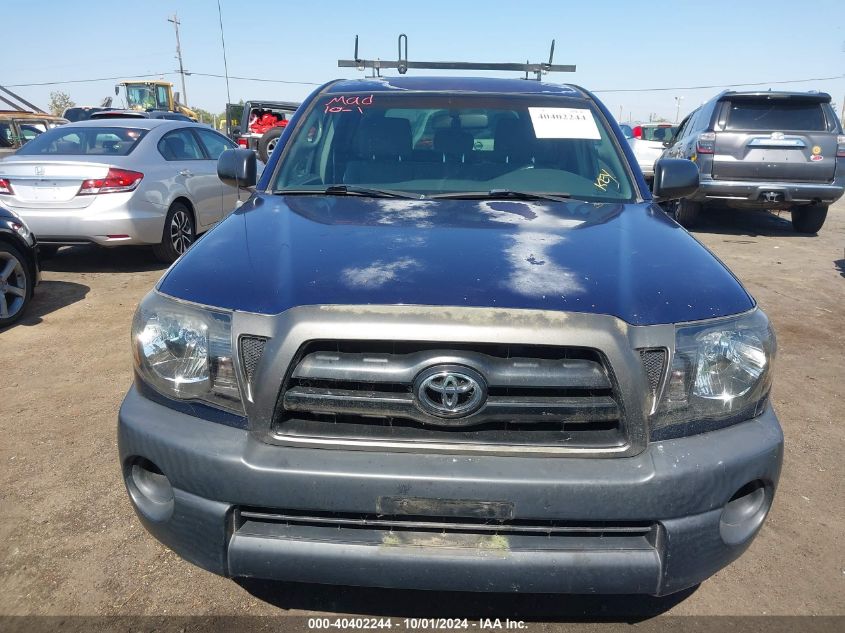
x,y
627,260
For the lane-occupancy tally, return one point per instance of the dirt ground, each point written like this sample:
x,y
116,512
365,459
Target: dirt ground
x,y
71,544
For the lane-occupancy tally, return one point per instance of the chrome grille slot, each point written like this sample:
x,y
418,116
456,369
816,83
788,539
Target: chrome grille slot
x,y
436,531
252,348
536,396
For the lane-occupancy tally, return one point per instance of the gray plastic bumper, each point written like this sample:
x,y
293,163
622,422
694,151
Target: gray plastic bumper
x,y
680,487
754,192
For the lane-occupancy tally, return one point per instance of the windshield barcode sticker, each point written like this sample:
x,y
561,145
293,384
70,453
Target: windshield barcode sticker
x,y
564,123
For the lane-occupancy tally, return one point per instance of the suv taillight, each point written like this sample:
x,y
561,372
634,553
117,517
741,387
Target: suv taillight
x,y
5,187
637,131
706,143
840,146
116,181
242,142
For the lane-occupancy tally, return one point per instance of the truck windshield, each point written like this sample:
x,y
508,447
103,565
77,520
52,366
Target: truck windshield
x,y
427,144
141,96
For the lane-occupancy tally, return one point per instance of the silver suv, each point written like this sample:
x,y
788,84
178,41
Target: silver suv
x,y
764,150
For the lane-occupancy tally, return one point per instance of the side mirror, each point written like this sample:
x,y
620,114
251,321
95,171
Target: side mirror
x,y
674,178
667,144
116,90
239,168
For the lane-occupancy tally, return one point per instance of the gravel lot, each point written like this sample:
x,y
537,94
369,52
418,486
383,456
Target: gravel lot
x,y
70,542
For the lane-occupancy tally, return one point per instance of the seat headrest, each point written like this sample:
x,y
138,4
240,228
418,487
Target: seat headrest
x,y
174,148
385,137
453,141
514,140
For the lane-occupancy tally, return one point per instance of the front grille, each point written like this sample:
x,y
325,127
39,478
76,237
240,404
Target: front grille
x,y
443,531
537,396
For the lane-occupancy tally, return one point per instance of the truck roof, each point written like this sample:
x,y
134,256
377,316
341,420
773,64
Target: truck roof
x,y
17,114
454,84
819,97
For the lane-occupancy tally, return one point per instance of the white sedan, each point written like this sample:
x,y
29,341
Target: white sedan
x,y
115,182
646,139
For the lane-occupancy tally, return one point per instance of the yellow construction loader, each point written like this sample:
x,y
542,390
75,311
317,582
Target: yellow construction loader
x,y
152,95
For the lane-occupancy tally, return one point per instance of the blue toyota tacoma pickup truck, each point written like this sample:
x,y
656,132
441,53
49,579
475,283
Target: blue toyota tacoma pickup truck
x,y
451,342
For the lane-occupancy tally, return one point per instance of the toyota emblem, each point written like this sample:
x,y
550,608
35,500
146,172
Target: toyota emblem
x,y
450,391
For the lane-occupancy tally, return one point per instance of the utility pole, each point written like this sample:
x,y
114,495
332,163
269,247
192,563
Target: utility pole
x,y
677,108
176,24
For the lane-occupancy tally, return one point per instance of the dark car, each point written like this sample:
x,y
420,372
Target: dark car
x,y
82,113
138,114
19,271
764,150
451,342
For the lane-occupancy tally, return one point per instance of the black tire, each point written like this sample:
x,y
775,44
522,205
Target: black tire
x,y
267,143
687,212
178,235
809,219
16,283
47,251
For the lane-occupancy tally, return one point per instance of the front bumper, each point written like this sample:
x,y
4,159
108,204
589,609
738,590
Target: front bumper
x,y
753,194
678,487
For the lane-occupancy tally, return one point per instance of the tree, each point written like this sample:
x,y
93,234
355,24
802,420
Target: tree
x,y
59,102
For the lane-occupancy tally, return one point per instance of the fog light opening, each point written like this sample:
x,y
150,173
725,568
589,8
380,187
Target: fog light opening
x,y
743,515
149,488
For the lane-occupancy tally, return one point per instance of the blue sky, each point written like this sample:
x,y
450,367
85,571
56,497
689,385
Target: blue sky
x,y
615,45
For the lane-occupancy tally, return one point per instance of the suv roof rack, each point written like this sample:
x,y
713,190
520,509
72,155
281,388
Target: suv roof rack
x,y
402,64
20,100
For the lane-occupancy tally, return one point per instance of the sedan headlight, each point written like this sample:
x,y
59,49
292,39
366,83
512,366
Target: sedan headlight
x,y
721,374
184,351
17,224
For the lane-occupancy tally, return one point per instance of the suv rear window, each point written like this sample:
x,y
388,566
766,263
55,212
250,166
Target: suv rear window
x,y
427,144
84,141
768,115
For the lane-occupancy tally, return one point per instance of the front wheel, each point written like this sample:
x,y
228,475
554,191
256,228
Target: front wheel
x,y
179,233
15,284
809,219
685,212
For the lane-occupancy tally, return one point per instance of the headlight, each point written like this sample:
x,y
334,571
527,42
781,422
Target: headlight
x,y
17,224
184,351
721,374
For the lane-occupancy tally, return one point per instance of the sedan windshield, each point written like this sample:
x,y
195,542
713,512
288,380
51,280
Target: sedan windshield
x,y
424,144
84,141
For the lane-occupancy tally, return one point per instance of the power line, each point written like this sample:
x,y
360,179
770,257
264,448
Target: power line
x,y
758,83
225,65
311,83
276,81
85,81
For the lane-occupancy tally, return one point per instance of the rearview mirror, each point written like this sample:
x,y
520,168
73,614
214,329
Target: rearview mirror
x,y
674,178
238,168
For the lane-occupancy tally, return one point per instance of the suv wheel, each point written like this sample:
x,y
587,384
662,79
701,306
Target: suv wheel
x,y
809,219
15,284
179,234
267,143
686,212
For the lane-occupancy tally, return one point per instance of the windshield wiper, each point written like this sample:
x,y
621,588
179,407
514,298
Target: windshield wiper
x,y
500,194
347,190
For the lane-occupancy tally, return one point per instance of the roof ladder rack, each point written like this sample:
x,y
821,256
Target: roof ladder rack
x,y
20,100
402,64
